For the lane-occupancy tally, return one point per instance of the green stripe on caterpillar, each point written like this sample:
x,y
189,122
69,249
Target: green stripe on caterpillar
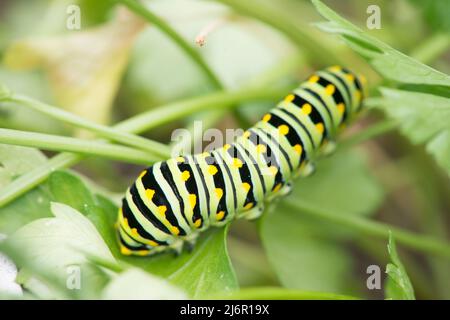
x,y
171,202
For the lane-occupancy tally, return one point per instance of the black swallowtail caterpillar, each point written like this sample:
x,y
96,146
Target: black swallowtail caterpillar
x,y
172,201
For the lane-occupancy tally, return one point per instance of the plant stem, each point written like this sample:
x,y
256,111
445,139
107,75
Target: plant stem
x,y
431,48
180,109
316,52
69,144
375,130
103,131
416,241
142,11
277,293
36,175
137,124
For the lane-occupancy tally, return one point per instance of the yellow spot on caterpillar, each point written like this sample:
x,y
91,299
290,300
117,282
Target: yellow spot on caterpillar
x,y
306,108
226,147
248,206
153,243
205,154
266,118
142,252
246,134
335,68
246,186
142,174
212,169
277,187
220,215
149,193
162,211
237,163
350,77
273,170
313,79
320,127
198,223
192,200
179,159
125,223
219,193
185,175
289,98
329,89
134,232
175,230
298,148
260,148
125,251
284,129
341,108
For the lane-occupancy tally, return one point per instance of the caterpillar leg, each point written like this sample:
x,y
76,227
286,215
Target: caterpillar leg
x,y
177,247
328,148
189,242
283,191
286,189
253,213
306,170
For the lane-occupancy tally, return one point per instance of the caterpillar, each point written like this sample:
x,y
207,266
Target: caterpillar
x,y
171,202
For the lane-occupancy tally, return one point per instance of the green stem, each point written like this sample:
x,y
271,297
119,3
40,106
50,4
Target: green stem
x,y
432,48
419,242
85,147
103,131
37,175
316,52
137,124
142,11
376,130
178,110
277,293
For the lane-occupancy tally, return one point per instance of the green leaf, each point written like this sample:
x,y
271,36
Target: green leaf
x,y
32,205
59,243
341,184
398,285
69,189
62,186
391,63
204,271
135,284
423,118
15,161
207,269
